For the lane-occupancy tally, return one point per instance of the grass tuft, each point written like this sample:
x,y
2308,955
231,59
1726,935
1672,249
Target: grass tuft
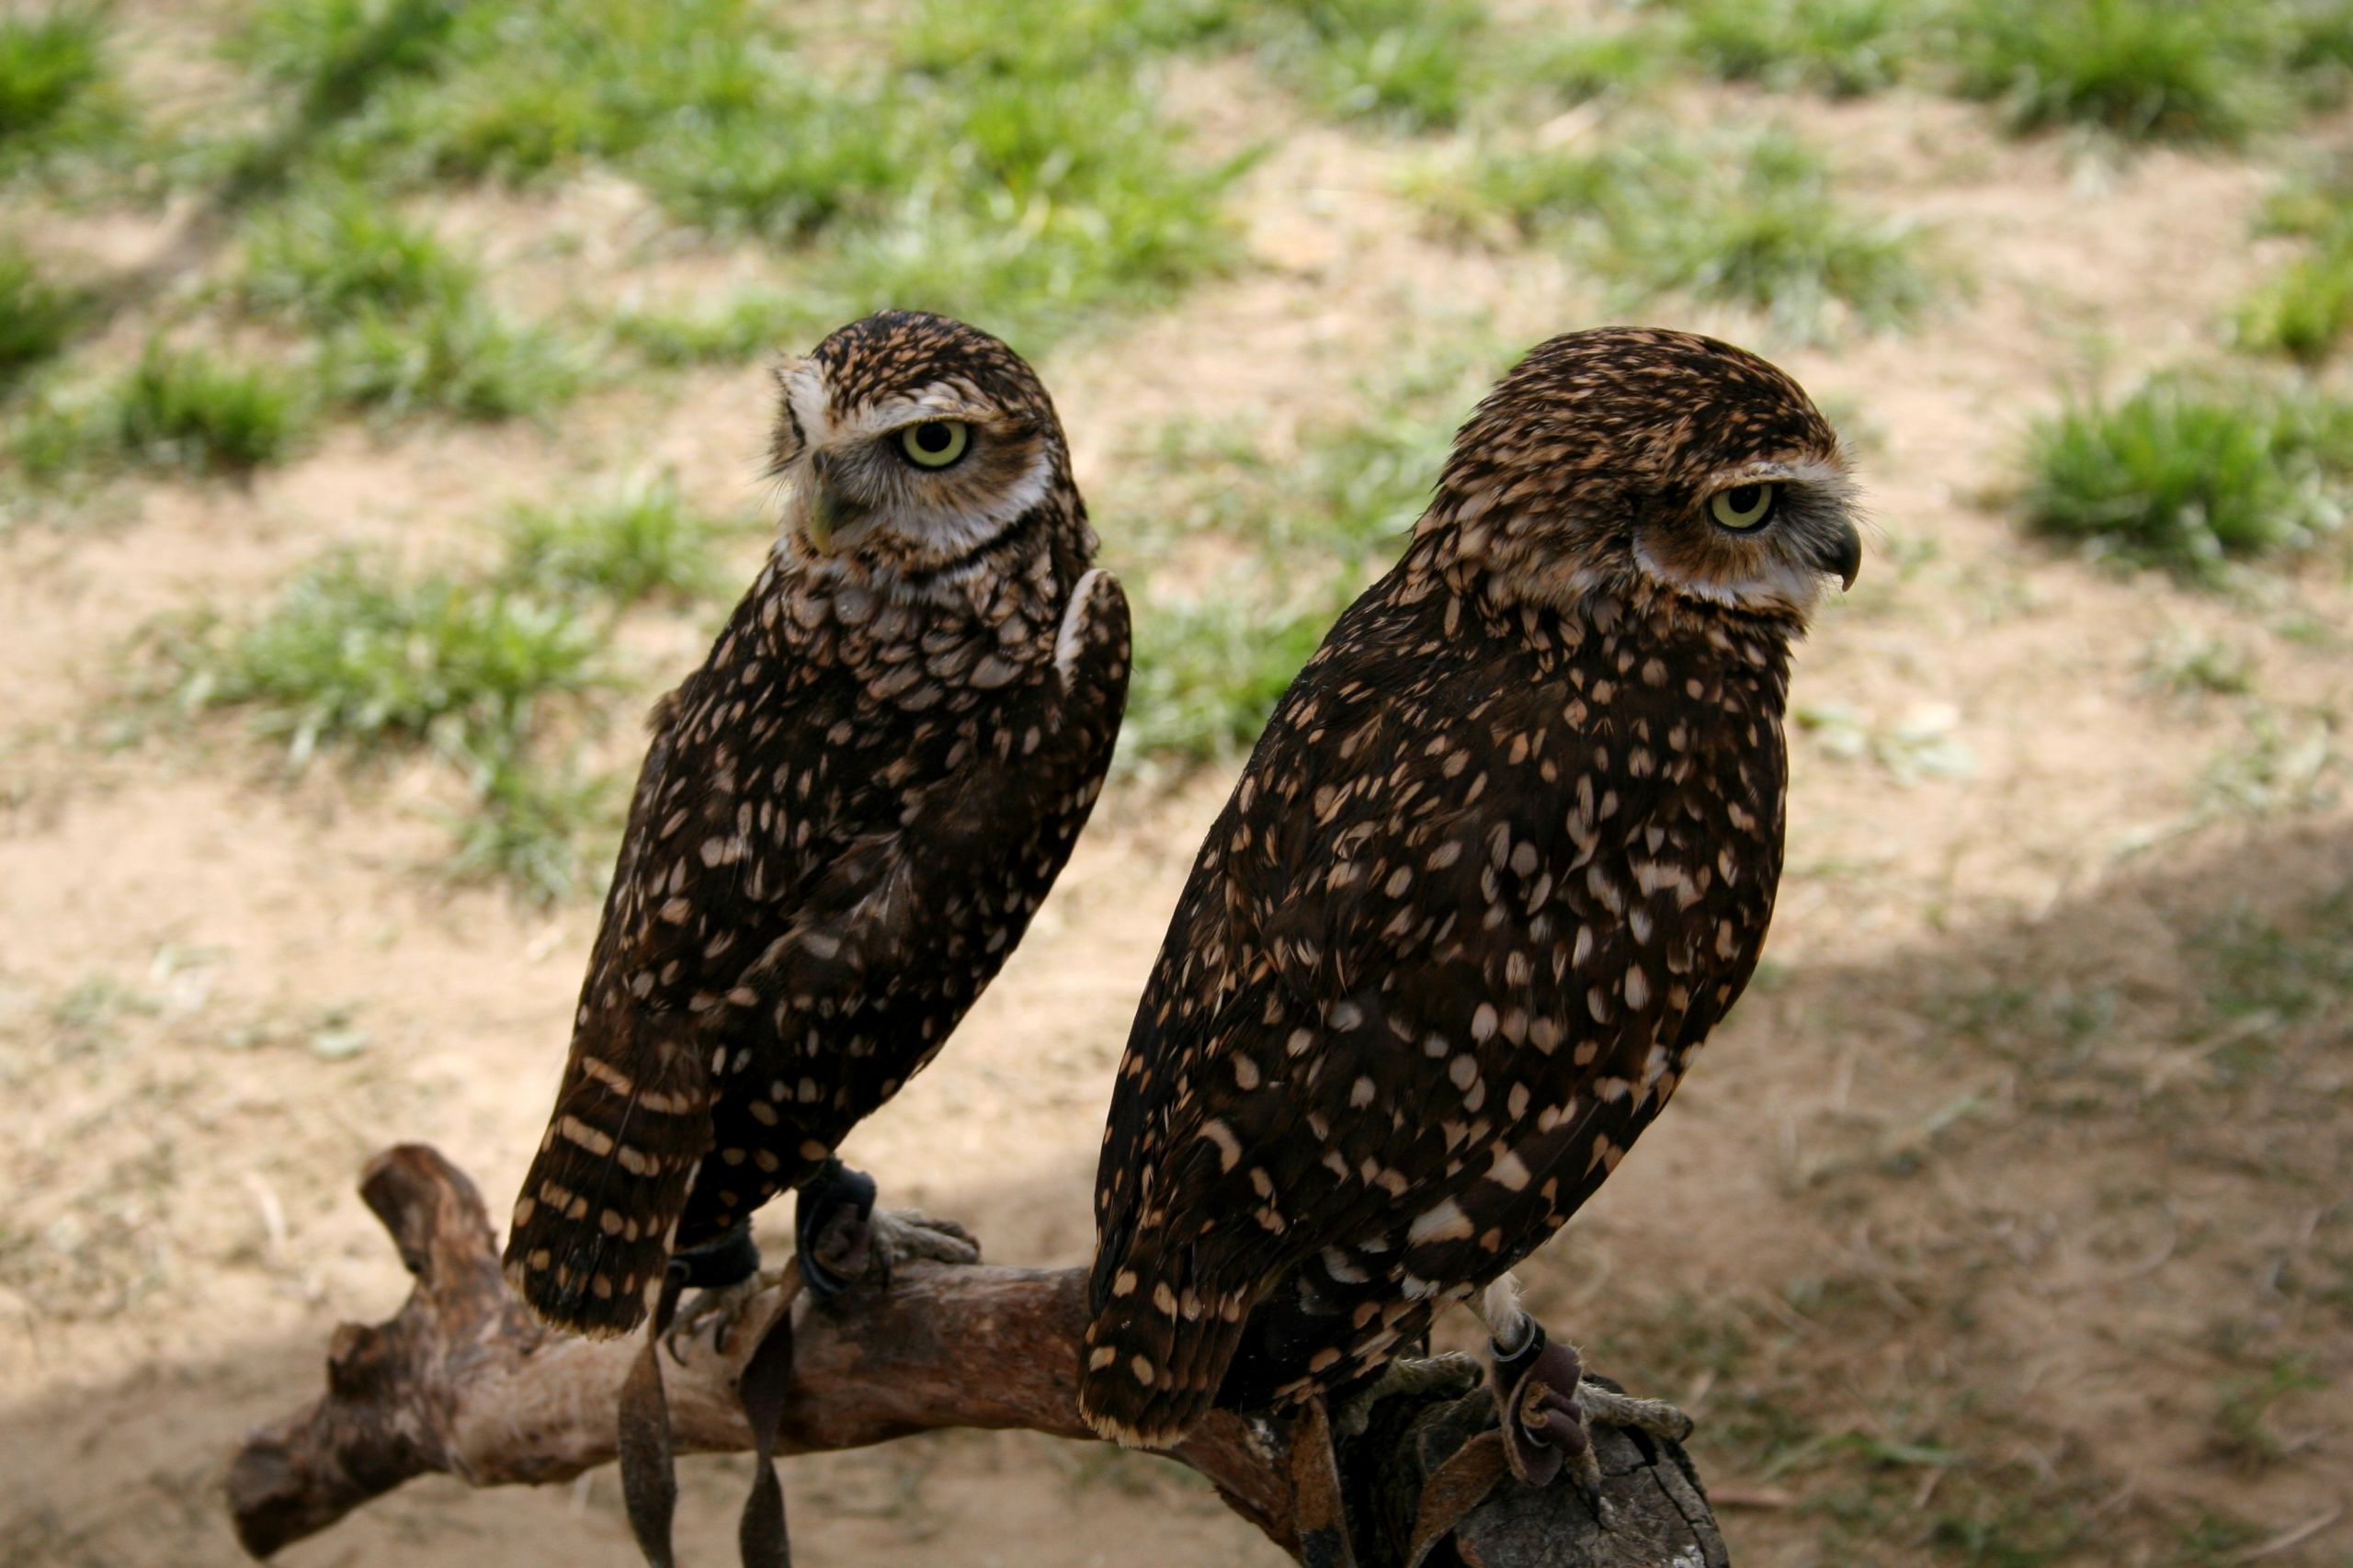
x,y
327,256
1843,48
967,177
174,409
1043,205
2146,69
641,541
459,355
1404,62
38,318
2189,479
335,54
2305,311
352,655
1034,39
1210,670
740,327
50,63
1750,220
545,834
1260,550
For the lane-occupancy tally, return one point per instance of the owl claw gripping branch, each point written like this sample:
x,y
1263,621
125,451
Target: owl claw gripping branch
x,y
1504,856
845,819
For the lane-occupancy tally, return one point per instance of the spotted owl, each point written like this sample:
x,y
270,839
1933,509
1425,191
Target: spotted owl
x,y
847,816
1503,857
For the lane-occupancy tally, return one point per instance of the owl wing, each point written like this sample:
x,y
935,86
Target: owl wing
x,y
1448,973
687,944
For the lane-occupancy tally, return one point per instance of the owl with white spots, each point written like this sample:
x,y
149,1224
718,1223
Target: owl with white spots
x,y
1504,856
845,819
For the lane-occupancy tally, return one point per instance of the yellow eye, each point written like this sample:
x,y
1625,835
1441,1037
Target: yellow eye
x,y
1744,507
935,443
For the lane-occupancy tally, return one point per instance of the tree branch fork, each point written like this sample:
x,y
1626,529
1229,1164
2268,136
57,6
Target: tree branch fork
x,y
463,1381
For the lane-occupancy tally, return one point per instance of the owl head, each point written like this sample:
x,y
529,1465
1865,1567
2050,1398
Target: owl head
x,y
918,450
1622,459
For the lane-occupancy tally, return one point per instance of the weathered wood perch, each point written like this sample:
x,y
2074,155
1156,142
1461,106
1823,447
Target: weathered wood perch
x,y
462,1381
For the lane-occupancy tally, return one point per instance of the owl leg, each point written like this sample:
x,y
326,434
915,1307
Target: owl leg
x,y
726,1276
844,1238
1545,1405
832,1237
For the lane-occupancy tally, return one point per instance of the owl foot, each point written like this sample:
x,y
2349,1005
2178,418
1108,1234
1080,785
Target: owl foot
x,y
833,1239
1547,1408
908,1235
718,1310
845,1240
1452,1373
724,1274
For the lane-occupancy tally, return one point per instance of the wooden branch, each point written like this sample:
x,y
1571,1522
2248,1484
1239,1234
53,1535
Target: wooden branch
x,y
463,1381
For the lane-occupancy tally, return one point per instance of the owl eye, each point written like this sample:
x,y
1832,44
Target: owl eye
x,y
935,443
1744,507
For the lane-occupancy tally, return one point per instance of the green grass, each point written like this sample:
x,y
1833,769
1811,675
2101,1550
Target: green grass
x,y
327,255
1747,220
480,664
1574,67
1041,206
38,318
353,655
546,834
1414,65
2305,311
1840,47
2314,204
405,322
52,66
1030,40
743,327
2187,478
806,159
640,542
335,55
2146,70
185,410
1210,668
967,177
1294,535
459,354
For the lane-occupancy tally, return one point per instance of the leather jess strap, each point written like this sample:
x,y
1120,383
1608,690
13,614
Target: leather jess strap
x,y
648,1460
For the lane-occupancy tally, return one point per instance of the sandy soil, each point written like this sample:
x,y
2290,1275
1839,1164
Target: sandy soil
x,y
1899,1212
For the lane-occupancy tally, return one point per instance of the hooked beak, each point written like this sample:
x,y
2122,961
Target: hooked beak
x,y
1842,555
829,513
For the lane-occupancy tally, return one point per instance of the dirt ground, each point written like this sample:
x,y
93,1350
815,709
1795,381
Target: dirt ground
x,y
2006,1222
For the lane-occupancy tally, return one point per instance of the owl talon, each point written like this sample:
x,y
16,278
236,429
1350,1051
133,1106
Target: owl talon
x,y
1407,1376
908,1235
717,1310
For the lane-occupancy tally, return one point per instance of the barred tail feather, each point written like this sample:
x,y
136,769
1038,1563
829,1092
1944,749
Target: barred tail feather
x,y
592,1227
1154,1355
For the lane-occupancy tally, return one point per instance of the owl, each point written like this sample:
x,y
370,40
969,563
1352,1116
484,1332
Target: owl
x,y
1504,856
845,821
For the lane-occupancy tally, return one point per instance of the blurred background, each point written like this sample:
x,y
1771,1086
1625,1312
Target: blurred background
x,y
385,402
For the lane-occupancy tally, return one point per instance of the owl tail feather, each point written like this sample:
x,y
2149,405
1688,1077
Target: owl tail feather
x,y
593,1225
1155,1355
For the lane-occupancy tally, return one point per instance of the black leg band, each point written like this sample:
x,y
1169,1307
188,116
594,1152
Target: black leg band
x,y
727,1259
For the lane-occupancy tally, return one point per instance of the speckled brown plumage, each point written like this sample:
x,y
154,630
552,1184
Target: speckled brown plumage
x,y
846,817
1504,856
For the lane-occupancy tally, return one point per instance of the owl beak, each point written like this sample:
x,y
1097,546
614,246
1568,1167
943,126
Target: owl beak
x,y
1842,555
829,513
